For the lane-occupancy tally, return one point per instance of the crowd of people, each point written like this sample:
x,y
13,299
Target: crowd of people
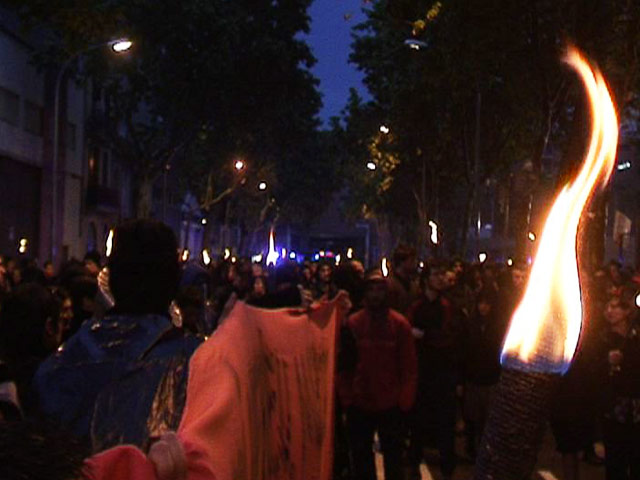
x,y
100,355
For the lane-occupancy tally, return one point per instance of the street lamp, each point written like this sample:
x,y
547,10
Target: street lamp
x,y
118,46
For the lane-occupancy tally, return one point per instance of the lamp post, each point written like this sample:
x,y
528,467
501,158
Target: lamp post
x,y
118,46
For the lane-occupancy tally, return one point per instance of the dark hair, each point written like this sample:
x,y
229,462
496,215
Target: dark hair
x,y
144,271
403,253
23,318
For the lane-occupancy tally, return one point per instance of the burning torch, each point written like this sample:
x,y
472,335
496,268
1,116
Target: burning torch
x,y
545,328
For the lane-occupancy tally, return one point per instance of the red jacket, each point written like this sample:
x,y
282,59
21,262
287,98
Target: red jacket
x,y
387,371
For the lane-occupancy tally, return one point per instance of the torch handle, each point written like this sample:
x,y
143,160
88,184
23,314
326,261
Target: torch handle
x,y
515,427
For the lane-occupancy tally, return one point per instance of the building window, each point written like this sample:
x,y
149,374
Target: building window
x,y
9,106
71,137
33,118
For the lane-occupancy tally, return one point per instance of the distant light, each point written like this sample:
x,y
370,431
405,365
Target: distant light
x,y
414,44
239,165
292,255
283,253
227,253
371,166
204,221
262,186
482,256
624,166
434,232
206,258
638,300
421,264
338,258
385,268
384,129
322,253
121,45
185,255
532,236
234,259
316,257
349,253
23,242
109,243
257,258
510,262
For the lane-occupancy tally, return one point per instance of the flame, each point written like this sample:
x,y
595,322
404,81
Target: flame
x,y
227,253
206,258
385,268
185,255
109,243
545,327
272,255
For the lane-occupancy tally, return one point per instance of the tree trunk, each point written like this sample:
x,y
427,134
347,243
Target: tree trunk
x,y
144,197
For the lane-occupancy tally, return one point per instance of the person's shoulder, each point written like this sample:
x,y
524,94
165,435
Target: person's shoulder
x,y
399,319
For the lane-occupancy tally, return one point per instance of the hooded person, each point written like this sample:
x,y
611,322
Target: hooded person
x,y
122,379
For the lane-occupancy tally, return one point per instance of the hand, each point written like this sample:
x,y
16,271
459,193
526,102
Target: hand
x,y
343,301
168,458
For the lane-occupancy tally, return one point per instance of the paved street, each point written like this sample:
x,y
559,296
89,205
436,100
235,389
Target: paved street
x,y
549,462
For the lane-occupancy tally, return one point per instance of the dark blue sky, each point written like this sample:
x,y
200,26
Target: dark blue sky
x,y
330,39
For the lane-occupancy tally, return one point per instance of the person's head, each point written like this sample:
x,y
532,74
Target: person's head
x,y
458,267
404,261
30,324
432,278
619,311
92,261
615,272
358,267
450,279
519,275
144,271
256,269
49,271
485,302
65,304
376,289
259,288
324,272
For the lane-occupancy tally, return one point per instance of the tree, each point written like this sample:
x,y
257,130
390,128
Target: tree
x,y
206,82
485,95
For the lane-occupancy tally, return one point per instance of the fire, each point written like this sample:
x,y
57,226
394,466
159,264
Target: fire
x,y
272,255
109,243
385,268
545,327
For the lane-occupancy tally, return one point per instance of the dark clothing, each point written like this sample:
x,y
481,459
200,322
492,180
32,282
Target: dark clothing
x,y
621,403
389,425
117,380
439,353
399,294
483,346
386,370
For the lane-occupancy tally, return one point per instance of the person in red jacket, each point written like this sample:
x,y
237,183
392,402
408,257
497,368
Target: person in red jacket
x,y
384,382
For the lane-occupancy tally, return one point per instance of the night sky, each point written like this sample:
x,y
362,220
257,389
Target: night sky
x,y
330,39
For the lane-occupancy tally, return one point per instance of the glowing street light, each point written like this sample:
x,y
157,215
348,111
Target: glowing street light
x,y
121,45
371,166
239,165
262,186
23,245
292,255
204,221
384,129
